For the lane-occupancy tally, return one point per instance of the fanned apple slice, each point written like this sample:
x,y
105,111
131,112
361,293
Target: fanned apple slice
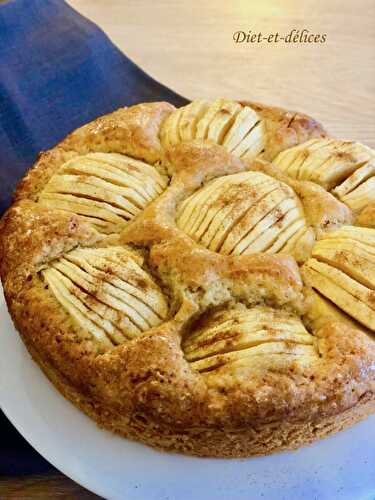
x,y
362,235
281,348
170,129
138,169
327,162
287,157
320,309
276,362
258,144
300,244
223,120
258,319
260,236
230,215
361,196
103,216
249,334
352,297
230,195
245,120
236,127
92,188
318,161
253,143
253,217
173,131
346,158
242,213
361,175
123,276
233,193
313,162
266,239
103,331
191,115
234,199
296,165
105,189
345,244
146,183
318,157
210,203
107,292
354,261
204,123
286,234
290,160
196,205
269,227
309,159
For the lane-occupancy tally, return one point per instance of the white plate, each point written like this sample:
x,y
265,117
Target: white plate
x,y
340,467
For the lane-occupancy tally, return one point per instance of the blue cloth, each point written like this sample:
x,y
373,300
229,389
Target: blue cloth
x,y
57,71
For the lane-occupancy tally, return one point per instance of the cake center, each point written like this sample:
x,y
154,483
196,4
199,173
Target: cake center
x,y
244,213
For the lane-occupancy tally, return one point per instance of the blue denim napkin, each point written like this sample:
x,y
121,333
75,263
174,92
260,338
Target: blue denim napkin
x,y
57,71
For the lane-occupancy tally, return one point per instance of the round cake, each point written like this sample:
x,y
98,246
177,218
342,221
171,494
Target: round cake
x,y
200,279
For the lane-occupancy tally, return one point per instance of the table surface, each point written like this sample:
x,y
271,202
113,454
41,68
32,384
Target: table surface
x,y
190,48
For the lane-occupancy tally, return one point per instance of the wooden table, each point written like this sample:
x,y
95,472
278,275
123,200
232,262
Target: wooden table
x,y
189,46
191,49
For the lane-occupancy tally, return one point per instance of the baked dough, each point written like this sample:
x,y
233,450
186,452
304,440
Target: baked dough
x,y
200,279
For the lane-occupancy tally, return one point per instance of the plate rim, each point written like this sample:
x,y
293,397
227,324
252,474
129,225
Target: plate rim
x,y
46,455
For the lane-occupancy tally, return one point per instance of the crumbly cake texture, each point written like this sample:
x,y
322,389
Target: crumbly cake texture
x,y
200,279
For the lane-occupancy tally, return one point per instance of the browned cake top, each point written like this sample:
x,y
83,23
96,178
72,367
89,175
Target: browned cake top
x,y
202,266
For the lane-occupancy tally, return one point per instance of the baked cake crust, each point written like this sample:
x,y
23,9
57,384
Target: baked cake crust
x,y
136,272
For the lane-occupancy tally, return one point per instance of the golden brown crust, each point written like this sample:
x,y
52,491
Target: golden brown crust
x,y
286,129
31,236
250,389
38,176
257,439
133,131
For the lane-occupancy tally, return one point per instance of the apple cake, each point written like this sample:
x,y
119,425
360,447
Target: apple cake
x,y
200,279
